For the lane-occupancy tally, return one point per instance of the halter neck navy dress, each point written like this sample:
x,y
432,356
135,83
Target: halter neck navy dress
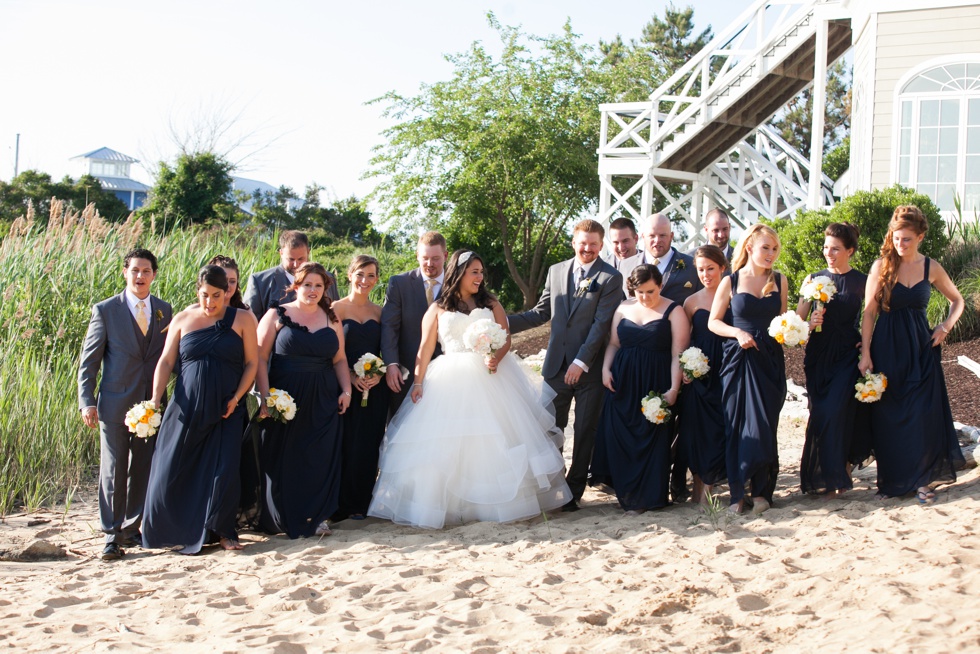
x,y
300,459
838,430
194,483
914,440
632,454
754,391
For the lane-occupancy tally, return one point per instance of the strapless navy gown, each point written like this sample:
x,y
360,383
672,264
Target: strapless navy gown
x,y
914,440
364,427
193,489
838,430
754,389
701,419
300,459
631,453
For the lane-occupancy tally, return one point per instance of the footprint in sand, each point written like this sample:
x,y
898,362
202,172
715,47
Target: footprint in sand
x,y
751,603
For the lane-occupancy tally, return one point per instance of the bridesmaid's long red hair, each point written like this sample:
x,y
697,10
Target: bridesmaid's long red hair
x,y
907,216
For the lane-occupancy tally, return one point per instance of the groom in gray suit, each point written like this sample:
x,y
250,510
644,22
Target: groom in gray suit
x,y
580,297
407,299
125,339
267,288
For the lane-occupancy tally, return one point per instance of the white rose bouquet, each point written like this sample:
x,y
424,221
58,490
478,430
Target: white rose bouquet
x,y
654,408
485,336
819,289
694,363
870,387
369,365
281,405
143,419
789,329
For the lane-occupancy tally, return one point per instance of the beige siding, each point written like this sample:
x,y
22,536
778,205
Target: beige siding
x,y
905,40
862,108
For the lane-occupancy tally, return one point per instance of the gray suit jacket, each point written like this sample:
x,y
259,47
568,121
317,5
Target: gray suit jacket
x,y
680,279
112,345
579,321
401,320
268,287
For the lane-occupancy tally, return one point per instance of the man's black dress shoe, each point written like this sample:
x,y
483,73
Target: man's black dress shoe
x,y
112,552
136,540
571,507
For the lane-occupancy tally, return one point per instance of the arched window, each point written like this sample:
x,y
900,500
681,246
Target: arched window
x,y
939,134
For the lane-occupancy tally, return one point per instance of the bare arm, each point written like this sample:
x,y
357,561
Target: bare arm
x,y
267,331
341,369
870,315
783,294
716,321
246,326
611,349
680,338
940,279
430,333
500,317
165,366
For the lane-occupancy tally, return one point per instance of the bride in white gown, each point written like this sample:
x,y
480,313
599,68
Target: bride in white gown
x,y
470,445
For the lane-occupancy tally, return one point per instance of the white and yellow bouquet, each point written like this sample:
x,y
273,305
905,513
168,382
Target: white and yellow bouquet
x,y
789,329
281,405
485,336
654,408
369,365
870,387
694,363
143,419
819,289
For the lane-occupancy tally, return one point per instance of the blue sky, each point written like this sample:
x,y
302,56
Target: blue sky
x,y
81,75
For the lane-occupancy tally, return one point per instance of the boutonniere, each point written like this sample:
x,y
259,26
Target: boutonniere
x,y
584,286
681,264
159,315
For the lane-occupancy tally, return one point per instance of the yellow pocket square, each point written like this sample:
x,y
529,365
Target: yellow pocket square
x,y
687,285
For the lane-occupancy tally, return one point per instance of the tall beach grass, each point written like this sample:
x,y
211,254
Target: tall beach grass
x,y
49,279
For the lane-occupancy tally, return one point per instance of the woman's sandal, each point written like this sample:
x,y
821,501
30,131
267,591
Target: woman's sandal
x,y
925,496
323,529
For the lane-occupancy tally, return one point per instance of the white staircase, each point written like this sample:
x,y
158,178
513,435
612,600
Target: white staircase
x,y
697,143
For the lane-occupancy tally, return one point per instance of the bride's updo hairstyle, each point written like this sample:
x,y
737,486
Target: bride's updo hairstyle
x,y
450,298
312,268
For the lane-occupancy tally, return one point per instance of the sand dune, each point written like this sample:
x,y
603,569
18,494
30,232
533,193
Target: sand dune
x,y
810,575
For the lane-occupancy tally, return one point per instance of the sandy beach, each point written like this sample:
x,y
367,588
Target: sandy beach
x,y
810,575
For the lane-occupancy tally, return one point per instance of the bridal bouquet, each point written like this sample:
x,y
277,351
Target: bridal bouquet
x,y
654,408
369,365
694,363
281,405
485,336
143,419
789,329
819,289
870,387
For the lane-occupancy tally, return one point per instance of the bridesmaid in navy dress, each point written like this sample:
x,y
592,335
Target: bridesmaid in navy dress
x,y
914,440
631,453
837,435
192,496
364,427
701,419
300,459
753,370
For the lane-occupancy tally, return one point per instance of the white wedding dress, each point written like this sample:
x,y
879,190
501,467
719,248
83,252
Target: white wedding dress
x,y
475,447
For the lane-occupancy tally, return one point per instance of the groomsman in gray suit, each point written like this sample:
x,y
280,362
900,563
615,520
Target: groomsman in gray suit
x,y
267,288
718,229
125,339
680,277
580,297
407,299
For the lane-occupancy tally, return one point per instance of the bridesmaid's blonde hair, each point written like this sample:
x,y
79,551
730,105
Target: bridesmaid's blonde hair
x,y
741,255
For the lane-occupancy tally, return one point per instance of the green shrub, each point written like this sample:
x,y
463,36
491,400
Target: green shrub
x,y
838,160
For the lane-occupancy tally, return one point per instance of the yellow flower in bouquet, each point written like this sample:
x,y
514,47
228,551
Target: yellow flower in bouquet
x,y
369,365
819,289
870,387
281,405
143,419
654,408
789,329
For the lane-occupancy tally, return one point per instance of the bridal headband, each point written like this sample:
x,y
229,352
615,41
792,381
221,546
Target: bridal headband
x,y
463,258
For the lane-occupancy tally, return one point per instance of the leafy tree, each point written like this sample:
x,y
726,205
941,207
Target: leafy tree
x,y
196,190
794,121
501,157
37,188
838,160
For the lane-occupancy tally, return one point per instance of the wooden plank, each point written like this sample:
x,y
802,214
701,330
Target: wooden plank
x,y
969,364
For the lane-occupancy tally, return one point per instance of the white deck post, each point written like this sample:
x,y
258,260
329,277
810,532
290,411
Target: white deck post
x,y
819,96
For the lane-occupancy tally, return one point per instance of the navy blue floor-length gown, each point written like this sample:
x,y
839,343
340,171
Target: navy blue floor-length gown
x,y
914,440
631,453
300,459
754,389
192,495
364,427
701,418
837,431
